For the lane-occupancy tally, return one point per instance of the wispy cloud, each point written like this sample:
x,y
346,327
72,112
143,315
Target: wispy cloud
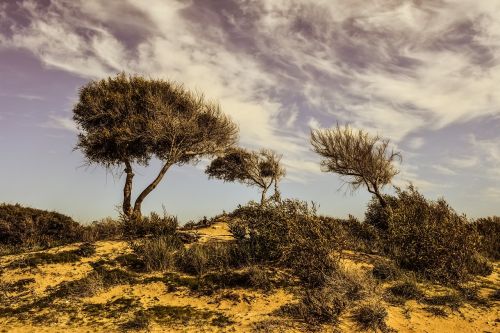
x,y
59,122
444,170
279,67
464,162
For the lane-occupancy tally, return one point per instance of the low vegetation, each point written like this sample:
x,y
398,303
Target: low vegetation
x,y
428,237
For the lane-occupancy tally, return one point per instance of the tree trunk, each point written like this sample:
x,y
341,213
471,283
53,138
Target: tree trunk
x,y
263,196
381,199
138,202
277,193
127,190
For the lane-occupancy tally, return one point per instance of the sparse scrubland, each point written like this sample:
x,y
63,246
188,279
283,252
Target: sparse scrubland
x,y
411,265
272,268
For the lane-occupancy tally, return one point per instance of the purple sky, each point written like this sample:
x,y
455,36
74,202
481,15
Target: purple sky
x,y
425,74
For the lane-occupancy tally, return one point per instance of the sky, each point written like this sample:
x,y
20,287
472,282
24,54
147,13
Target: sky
x,y
422,73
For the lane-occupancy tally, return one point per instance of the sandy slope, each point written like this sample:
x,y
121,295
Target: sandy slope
x,y
244,308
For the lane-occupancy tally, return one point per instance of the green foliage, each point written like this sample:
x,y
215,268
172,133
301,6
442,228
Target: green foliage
x,y
354,234
238,229
427,237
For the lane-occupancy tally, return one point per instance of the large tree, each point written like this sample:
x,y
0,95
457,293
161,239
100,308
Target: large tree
x,y
359,158
261,169
128,120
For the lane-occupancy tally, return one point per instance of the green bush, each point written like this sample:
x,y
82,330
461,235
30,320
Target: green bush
x,y
427,237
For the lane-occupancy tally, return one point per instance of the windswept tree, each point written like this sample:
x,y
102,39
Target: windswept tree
x,y
128,120
359,158
261,169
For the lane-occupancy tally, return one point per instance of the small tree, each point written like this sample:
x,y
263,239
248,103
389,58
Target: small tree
x,y
127,120
360,159
262,169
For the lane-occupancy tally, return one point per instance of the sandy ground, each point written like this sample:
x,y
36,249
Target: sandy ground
x,y
243,307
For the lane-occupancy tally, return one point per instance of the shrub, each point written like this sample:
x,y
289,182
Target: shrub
x,y
371,316
479,265
238,229
326,303
154,225
488,229
454,300
259,278
317,306
406,290
157,253
201,258
24,227
104,229
40,258
289,234
427,237
385,271
356,235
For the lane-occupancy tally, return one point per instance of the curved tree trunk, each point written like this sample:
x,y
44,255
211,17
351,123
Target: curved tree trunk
x,y
138,202
127,189
381,199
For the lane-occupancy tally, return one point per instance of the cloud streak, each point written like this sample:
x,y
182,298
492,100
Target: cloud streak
x,y
277,67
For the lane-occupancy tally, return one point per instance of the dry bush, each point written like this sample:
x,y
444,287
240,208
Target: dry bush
x,y
23,228
41,258
152,225
104,229
488,229
354,234
238,229
371,316
385,271
405,290
427,237
289,234
158,253
325,304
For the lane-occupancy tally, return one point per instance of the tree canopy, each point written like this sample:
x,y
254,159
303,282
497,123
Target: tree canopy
x,y
126,120
359,158
261,169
